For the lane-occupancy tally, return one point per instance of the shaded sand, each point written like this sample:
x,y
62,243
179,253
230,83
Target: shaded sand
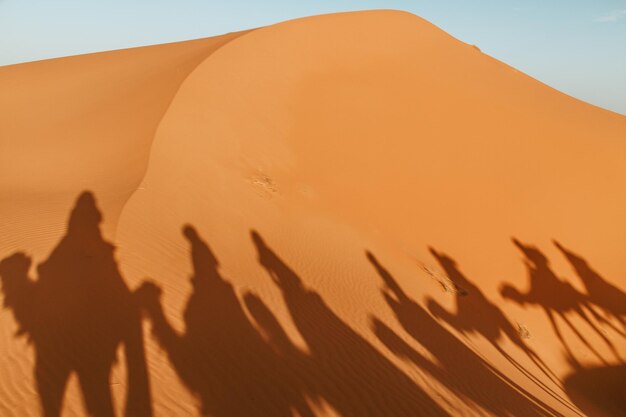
x,y
599,390
345,215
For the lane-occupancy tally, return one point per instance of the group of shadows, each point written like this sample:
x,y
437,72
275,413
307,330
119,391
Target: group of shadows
x,y
80,311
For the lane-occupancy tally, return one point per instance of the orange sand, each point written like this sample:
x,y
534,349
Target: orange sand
x,y
345,215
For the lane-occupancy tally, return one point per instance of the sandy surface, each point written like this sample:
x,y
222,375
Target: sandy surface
x,y
346,215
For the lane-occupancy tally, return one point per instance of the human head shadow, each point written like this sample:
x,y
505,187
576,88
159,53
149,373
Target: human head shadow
x,y
600,292
476,314
557,298
76,315
220,356
350,374
457,367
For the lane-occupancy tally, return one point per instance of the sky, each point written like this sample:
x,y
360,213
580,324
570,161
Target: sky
x,y
575,46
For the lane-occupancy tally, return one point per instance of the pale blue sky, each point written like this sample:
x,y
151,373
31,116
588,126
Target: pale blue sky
x,y
576,46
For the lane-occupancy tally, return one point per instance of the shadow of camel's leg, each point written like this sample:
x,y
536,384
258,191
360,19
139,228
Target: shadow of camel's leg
x,y
514,336
582,339
604,320
537,361
138,399
94,382
598,331
51,377
560,336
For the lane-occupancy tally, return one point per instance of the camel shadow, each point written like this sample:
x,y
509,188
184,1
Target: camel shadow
x,y
475,314
235,367
600,292
237,360
350,374
557,298
76,315
221,357
456,366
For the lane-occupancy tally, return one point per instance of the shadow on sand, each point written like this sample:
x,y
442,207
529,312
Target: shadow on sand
x,y
236,368
599,391
557,298
456,366
76,315
221,357
343,368
237,360
600,292
475,314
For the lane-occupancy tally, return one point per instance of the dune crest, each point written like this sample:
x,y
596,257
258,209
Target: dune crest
x,y
345,215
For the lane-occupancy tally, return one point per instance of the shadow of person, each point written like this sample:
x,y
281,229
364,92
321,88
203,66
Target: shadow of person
x,y
457,366
476,314
290,363
221,357
347,371
76,315
556,298
599,291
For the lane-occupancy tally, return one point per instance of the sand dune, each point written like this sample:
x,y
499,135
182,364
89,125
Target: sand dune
x,y
344,215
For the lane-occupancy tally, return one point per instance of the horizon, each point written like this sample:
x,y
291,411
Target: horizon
x,y
574,49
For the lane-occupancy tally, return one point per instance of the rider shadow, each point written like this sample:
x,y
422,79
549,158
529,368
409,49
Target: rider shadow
x,y
350,374
456,366
76,315
600,292
476,314
221,357
557,298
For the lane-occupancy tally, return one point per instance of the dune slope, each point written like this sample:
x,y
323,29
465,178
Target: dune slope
x,y
351,215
